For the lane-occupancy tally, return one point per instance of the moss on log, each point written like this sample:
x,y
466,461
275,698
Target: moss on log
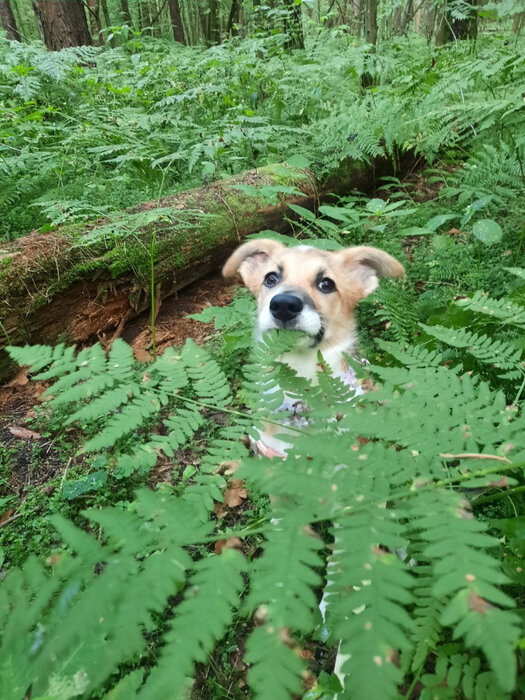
x,y
81,280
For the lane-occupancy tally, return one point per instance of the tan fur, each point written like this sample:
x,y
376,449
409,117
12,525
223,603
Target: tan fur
x,y
354,271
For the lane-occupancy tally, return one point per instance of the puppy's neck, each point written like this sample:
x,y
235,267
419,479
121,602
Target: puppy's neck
x,y
305,361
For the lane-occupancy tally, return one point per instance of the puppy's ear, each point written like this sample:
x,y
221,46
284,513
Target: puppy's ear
x,y
366,264
249,258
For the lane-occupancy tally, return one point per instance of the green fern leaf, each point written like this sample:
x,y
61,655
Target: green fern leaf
x,y
201,619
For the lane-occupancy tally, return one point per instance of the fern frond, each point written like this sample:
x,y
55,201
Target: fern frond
x,y
466,576
209,381
508,312
491,351
397,308
201,619
283,582
131,417
369,591
411,355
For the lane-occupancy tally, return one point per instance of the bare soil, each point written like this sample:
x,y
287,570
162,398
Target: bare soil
x,y
172,326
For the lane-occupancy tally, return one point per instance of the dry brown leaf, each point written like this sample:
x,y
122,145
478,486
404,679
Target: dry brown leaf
x,y
8,513
24,433
39,392
236,494
309,680
230,543
219,510
20,378
140,353
228,467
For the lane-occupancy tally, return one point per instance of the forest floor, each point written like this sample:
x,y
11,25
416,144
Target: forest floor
x,y
37,458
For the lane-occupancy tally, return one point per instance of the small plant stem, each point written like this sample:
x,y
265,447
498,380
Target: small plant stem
x,y
5,332
242,414
152,270
497,496
414,681
520,390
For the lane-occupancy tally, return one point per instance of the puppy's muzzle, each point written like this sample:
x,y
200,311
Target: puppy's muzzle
x,y
286,307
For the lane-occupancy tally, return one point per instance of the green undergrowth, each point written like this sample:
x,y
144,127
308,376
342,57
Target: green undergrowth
x,y
130,569
150,115
132,561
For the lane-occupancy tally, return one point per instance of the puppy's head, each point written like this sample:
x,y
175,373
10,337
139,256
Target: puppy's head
x,y
307,289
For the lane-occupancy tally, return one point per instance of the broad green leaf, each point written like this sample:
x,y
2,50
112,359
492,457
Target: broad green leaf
x,y
376,206
487,231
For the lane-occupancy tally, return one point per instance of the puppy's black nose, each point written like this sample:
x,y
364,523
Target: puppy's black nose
x,y
284,307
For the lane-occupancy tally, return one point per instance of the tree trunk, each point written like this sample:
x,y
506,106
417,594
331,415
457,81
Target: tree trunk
x,y
148,19
126,14
73,284
232,28
176,21
453,29
370,37
371,23
407,17
8,21
213,33
517,22
63,23
94,21
105,13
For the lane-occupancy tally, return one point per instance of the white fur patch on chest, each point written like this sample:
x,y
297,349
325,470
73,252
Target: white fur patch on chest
x,y
291,411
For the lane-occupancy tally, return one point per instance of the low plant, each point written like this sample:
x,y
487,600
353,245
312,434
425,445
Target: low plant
x,y
429,444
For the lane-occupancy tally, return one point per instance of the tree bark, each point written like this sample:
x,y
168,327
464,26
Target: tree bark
x,y
213,33
233,18
517,22
371,23
105,13
74,284
176,21
8,21
370,37
63,23
94,21
453,29
126,14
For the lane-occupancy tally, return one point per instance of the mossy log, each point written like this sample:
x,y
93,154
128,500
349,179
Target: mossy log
x,y
80,280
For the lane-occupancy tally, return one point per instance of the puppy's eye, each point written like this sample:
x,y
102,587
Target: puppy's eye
x,y
271,279
326,285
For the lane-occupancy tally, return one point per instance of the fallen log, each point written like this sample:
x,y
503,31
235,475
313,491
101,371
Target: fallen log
x,y
80,280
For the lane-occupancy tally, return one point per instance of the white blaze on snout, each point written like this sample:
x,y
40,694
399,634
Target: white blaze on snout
x,y
308,320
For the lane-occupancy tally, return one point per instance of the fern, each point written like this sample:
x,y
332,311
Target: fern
x,y
496,353
211,597
368,595
413,355
507,311
282,588
152,558
398,310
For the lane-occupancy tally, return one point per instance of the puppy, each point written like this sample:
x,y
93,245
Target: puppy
x,y
306,289
315,291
